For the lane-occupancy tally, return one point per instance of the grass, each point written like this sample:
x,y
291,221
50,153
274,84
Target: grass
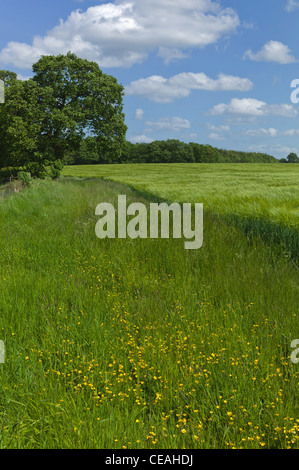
x,y
258,190
261,199
139,343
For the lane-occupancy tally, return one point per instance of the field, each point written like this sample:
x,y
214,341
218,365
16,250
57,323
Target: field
x,y
258,190
261,199
119,344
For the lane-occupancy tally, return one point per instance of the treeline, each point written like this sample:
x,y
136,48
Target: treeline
x,y
291,158
163,151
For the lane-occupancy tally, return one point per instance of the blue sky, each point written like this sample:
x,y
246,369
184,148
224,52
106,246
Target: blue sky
x,y
212,72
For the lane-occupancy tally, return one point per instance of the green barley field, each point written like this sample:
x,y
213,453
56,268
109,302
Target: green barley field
x,y
258,190
261,199
119,344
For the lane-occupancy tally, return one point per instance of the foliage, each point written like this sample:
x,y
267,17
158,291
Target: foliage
x,y
292,158
25,177
8,77
164,151
20,125
67,99
81,100
174,151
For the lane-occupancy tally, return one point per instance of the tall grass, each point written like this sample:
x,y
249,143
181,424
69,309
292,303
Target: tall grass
x,y
256,190
261,199
140,343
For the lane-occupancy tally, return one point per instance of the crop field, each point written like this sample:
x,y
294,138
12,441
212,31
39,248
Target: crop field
x,y
261,199
258,190
122,343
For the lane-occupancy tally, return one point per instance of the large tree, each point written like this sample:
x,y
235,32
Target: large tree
x,y
292,158
82,100
67,99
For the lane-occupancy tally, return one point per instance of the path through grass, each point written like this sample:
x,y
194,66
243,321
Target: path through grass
x,y
140,343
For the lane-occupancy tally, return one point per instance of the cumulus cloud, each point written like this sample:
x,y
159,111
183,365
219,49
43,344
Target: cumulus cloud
x,y
139,113
22,77
271,132
292,5
140,139
216,136
168,124
273,51
218,132
123,32
292,132
171,55
276,150
221,128
166,90
254,108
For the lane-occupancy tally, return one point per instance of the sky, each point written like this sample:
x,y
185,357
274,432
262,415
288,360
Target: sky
x,y
205,71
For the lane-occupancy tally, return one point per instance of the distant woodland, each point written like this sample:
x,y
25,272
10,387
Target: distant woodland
x,y
163,151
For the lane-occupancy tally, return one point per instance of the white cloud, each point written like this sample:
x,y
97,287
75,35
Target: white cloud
x,y
166,90
276,150
221,128
291,132
168,124
171,55
273,51
139,139
218,132
271,132
254,108
122,33
216,136
22,77
292,5
139,113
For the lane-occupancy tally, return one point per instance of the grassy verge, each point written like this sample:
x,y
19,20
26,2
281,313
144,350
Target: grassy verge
x,y
140,343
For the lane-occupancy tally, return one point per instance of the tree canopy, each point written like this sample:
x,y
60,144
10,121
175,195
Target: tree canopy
x,y
166,151
67,100
292,158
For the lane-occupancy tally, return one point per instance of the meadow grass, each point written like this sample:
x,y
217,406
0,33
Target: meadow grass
x,y
118,344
